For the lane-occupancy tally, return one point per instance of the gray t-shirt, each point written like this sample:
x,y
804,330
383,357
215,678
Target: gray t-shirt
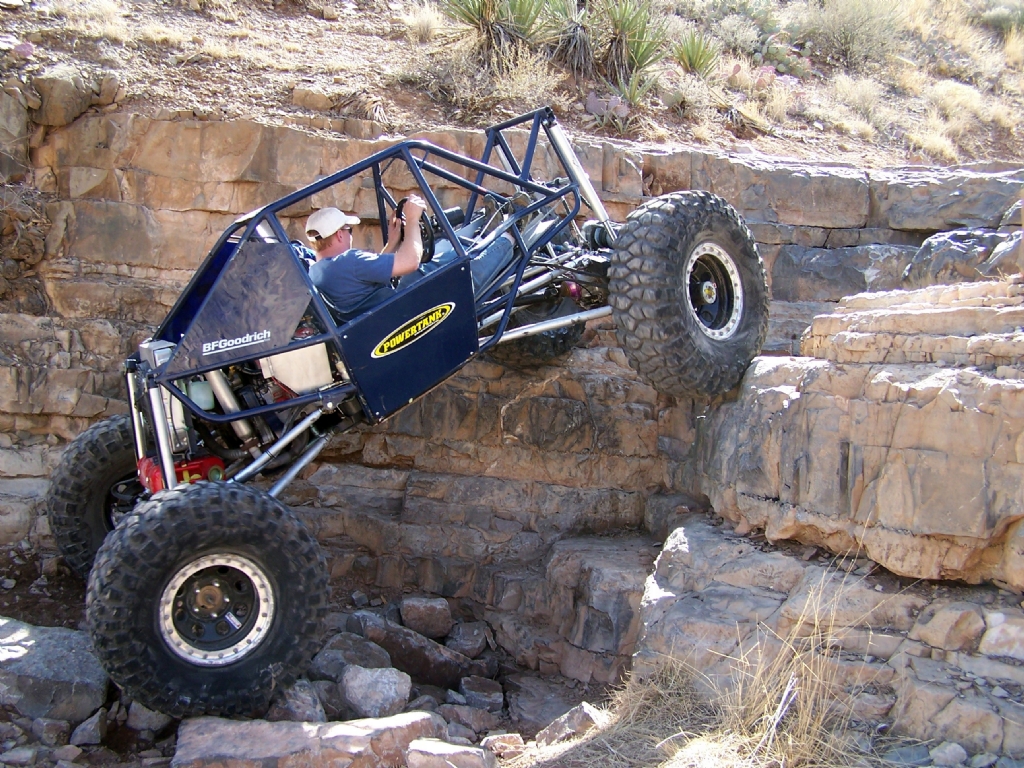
x,y
350,277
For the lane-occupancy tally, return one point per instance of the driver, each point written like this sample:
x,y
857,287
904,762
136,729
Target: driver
x,y
354,279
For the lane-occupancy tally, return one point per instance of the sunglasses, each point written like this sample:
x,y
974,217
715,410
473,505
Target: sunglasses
x,y
346,228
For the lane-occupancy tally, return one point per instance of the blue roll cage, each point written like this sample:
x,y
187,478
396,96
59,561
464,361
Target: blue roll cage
x,y
421,158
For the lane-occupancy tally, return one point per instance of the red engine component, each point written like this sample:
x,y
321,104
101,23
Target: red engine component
x,y
206,468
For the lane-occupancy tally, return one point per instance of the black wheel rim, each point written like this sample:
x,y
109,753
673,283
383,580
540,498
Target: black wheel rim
x,y
216,610
714,291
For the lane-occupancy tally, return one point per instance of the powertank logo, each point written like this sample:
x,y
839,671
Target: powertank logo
x,y
226,345
413,330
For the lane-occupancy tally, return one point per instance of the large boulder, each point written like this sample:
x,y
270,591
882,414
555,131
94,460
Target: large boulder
x,y
829,274
959,256
65,94
901,437
210,741
49,672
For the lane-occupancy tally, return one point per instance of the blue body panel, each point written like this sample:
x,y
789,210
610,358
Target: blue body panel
x,y
412,342
252,310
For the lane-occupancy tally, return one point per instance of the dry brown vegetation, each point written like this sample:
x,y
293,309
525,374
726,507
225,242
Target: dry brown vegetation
x,y
869,81
782,705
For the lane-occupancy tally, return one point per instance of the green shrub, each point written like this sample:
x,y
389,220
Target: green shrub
x,y
635,38
1003,18
697,53
635,91
851,33
502,25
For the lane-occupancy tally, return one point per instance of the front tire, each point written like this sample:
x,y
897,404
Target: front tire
x,y
94,485
207,599
689,294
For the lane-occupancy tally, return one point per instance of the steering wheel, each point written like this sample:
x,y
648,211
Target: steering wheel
x,y
426,232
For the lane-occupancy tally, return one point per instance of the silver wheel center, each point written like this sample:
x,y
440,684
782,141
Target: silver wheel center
x,y
216,610
714,291
709,292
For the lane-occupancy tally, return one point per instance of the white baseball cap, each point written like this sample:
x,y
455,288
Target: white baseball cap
x,y
326,222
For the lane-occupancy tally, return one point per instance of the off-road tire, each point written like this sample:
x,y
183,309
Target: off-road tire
x,y
543,348
135,601
78,502
655,310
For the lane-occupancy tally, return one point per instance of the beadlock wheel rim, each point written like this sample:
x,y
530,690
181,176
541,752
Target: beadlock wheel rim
x,y
208,594
714,291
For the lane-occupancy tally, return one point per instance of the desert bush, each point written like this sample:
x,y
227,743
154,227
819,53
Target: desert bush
x,y
739,34
572,43
697,53
635,36
690,97
1003,18
851,33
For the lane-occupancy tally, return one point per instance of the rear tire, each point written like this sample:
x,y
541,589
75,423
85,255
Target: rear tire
x,y
689,294
543,348
207,599
94,485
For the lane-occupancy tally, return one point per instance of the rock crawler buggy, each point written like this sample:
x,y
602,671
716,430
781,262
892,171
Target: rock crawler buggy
x,y
207,596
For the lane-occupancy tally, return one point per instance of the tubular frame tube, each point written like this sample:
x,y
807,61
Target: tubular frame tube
x,y
550,325
311,453
163,437
228,401
275,450
138,428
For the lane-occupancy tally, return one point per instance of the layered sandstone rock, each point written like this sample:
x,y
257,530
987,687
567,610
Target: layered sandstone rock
x,y
902,437
906,655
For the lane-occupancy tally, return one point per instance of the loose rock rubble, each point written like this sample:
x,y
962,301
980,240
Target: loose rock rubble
x,y
61,713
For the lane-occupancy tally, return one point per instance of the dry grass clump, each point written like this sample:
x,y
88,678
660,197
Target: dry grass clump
x,y
1013,47
781,705
452,75
160,34
102,19
424,22
954,99
863,95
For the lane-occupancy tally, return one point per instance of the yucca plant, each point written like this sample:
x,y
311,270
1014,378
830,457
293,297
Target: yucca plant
x,y
697,53
636,38
635,91
570,33
502,25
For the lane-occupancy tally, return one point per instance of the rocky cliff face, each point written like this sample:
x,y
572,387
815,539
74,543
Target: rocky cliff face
x,y
898,435
538,499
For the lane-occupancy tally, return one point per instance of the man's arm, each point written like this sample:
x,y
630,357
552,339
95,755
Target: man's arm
x,y
409,251
394,235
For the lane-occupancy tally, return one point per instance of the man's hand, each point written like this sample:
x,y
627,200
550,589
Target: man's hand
x,y
414,208
409,251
